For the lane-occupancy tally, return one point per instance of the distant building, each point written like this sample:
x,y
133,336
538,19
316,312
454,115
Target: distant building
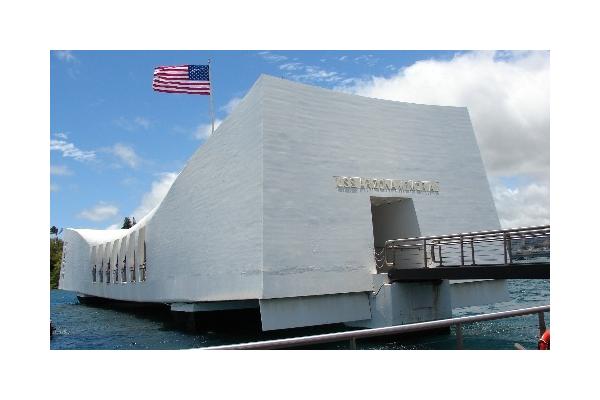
x,y
283,207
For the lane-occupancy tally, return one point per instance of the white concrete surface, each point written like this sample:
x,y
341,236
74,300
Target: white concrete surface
x,y
480,292
256,213
293,312
403,303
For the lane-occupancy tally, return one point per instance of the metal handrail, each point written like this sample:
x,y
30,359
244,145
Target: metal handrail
x,y
503,237
477,233
389,330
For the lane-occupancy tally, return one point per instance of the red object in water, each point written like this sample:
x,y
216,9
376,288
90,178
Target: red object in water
x,y
544,342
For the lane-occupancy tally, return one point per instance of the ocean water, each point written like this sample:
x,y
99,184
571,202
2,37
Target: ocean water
x,y
80,326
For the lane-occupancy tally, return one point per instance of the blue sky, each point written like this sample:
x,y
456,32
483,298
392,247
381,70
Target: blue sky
x,y
116,144
103,99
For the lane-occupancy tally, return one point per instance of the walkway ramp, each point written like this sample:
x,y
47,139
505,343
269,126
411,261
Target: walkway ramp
x,y
519,253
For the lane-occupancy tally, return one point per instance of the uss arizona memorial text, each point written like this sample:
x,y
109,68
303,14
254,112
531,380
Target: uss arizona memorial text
x,y
386,184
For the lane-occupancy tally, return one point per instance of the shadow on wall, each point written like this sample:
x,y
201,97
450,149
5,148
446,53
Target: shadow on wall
x,y
394,218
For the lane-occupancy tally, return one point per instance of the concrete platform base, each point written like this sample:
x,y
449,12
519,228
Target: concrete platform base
x,y
240,320
214,305
404,303
476,293
119,304
296,312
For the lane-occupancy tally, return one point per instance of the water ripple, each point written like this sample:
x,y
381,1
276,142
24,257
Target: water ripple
x,y
80,326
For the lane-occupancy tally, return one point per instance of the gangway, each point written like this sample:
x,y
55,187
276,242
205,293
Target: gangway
x,y
518,253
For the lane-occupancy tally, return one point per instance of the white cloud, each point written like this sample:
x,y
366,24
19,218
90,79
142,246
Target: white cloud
x,y
158,191
203,131
508,98
310,73
71,62
65,55
126,154
70,150
507,94
315,74
61,135
60,170
230,106
99,212
295,66
54,187
270,57
368,59
132,124
114,226
527,205
303,72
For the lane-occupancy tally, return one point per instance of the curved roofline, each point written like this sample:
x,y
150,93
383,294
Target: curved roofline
x,y
106,235
99,236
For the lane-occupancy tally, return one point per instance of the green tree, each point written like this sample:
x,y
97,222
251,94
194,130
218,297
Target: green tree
x,y
127,223
54,231
56,249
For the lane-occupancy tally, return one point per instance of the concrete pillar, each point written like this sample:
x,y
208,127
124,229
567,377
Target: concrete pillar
x,y
404,303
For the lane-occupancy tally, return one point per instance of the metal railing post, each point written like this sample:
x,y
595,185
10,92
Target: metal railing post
x,y
472,251
509,245
459,337
505,249
424,253
353,344
542,323
462,252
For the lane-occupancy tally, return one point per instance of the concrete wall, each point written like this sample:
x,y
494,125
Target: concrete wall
x,y
397,219
478,292
292,312
204,241
405,303
318,239
256,214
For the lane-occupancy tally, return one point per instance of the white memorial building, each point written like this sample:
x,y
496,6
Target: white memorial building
x,y
282,208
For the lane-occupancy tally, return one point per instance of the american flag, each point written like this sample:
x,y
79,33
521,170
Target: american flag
x,y
190,79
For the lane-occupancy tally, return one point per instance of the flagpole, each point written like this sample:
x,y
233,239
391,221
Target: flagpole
x,y
212,109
